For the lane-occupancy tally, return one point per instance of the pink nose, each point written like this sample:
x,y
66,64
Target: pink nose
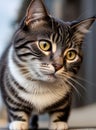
x,y
57,66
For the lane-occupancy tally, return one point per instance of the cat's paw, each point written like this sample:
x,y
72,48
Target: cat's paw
x,y
58,126
18,125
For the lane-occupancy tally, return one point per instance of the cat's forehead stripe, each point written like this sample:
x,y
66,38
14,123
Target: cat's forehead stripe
x,y
54,48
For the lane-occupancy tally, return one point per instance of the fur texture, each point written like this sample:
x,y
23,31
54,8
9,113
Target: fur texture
x,y
38,68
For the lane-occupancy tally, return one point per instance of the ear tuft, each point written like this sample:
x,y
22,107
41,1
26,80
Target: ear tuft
x,y
79,29
36,11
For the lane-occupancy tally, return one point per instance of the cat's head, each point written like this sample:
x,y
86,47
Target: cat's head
x,y
47,48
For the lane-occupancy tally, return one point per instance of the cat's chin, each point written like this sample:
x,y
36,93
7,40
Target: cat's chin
x,y
50,78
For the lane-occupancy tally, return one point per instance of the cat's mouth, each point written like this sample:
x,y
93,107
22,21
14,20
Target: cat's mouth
x,y
49,77
52,75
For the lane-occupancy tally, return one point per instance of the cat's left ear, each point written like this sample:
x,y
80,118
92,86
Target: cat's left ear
x,y
36,11
79,29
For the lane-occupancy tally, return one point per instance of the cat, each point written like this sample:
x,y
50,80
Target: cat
x,y
37,69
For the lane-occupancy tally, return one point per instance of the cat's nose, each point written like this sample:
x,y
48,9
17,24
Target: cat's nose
x,y
58,63
57,67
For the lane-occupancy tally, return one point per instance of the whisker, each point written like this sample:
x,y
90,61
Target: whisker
x,y
75,81
80,78
73,87
70,84
67,76
84,80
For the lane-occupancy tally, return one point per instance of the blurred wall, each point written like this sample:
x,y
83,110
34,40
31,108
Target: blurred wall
x,y
89,6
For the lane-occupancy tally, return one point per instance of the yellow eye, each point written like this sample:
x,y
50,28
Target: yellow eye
x,y
71,55
45,46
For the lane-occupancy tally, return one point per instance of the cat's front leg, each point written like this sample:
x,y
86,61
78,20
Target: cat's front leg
x,y
19,121
58,119
56,123
59,126
18,125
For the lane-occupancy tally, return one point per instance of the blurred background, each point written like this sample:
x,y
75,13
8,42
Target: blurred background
x,y
84,106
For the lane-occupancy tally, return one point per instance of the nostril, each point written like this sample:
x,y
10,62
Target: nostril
x,y
57,66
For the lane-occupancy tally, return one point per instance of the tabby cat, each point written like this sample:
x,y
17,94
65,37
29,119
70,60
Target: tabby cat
x,y
38,67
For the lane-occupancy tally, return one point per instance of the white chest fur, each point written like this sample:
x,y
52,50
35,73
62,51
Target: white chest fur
x,y
42,97
39,94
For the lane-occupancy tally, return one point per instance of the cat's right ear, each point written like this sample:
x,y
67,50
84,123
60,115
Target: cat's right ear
x,y
81,28
36,11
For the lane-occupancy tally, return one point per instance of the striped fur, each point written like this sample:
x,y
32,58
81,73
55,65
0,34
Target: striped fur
x,y
32,79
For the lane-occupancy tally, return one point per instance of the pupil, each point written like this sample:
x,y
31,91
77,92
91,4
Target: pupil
x,y
70,54
45,45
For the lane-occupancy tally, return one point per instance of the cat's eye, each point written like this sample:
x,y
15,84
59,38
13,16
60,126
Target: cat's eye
x,y
45,45
71,55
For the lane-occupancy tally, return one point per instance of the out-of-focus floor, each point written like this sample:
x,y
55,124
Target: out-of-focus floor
x,y
81,117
